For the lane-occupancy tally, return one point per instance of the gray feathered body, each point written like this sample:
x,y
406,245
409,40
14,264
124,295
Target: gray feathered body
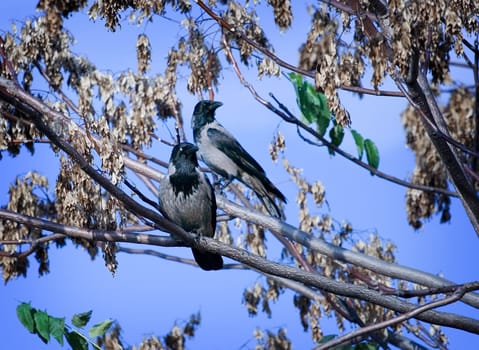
x,y
225,155
190,210
187,198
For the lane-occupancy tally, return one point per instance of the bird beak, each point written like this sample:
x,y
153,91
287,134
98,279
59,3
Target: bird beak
x,y
216,104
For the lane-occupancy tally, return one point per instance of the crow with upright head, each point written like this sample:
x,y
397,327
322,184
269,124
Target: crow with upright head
x,y
187,198
225,156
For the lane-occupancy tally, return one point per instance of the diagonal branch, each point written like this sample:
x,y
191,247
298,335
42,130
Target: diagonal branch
x,y
423,98
395,320
290,118
330,250
307,278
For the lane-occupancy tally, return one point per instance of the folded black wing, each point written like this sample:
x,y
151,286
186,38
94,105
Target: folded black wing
x,y
226,143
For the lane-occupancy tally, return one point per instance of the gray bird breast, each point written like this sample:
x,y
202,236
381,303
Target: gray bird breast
x,y
192,212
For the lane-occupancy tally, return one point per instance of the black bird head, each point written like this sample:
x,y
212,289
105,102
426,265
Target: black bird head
x,y
204,113
184,154
183,163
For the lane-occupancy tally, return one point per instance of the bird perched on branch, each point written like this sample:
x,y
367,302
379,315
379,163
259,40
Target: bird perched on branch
x,y
187,198
225,156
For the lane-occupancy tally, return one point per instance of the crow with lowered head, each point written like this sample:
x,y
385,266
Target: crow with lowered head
x,y
188,199
225,156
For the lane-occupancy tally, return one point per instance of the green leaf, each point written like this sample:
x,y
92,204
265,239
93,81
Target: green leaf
x,y
25,316
313,105
296,79
100,329
336,134
76,340
372,153
359,140
80,320
57,328
42,324
324,118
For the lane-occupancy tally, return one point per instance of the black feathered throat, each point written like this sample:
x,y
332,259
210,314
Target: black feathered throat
x,y
184,181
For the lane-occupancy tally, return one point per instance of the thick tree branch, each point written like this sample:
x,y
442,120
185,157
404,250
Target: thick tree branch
x,y
120,235
330,250
394,338
305,277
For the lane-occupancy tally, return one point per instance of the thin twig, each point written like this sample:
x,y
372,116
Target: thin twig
x,y
240,35
191,262
143,155
144,198
59,91
289,117
458,294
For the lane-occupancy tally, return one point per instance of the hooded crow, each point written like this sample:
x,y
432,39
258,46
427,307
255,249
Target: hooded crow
x,y
225,156
187,198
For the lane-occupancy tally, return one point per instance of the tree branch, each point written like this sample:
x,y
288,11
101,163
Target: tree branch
x,y
394,321
240,35
268,267
191,262
330,250
290,118
423,98
120,235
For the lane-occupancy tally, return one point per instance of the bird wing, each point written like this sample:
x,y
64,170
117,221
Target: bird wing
x,y
227,144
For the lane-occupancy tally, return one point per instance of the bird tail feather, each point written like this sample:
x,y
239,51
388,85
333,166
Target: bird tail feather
x,y
271,206
207,261
267,193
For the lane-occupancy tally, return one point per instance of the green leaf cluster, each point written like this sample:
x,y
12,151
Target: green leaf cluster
x,y
314,110
313,105
47,326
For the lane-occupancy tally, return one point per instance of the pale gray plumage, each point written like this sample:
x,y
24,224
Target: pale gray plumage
x,y
224,155
187,198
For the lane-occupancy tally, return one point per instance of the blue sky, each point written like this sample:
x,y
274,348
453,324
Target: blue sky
x,y
148,295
